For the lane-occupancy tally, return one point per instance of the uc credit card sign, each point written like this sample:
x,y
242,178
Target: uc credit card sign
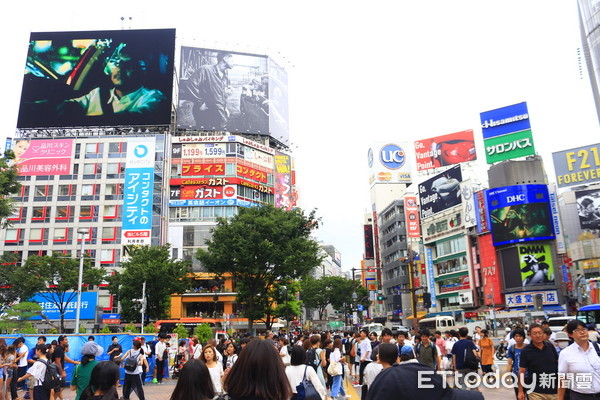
x,y
138,190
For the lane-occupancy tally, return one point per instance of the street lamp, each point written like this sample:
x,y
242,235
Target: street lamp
x,y
354,299
287,321
82,232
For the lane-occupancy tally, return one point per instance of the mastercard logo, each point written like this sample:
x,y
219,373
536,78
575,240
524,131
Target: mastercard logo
x,y
384,176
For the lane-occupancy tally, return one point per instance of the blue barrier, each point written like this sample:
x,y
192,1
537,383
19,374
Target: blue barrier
x,y
76,342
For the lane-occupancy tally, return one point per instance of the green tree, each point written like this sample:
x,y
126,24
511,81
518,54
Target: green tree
x,y
181,331
203,332
17,318
334,290
163,275
8,187
55,279
11,293
260,248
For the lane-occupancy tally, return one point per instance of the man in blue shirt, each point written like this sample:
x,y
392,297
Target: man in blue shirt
x,y
459,352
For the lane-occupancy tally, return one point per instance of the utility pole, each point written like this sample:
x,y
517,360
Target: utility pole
x,y
143,305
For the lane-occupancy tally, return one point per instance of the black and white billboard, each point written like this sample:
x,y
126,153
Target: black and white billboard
x,y
440,192
98,78
233,92
588,207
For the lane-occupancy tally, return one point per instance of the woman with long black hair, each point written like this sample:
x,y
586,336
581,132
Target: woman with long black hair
x,y
194,382
103,382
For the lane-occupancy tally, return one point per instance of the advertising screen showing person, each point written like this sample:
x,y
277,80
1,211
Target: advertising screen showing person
x,y
229,91
42,156
536,264
98,78
588,208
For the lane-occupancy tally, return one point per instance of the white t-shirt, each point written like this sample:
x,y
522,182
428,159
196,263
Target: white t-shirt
x,y
23,360
371,372
216,373
286,355
37,371
140,359
295,373
365,350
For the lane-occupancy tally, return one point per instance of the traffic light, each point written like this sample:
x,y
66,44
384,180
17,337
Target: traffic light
x,y
380,297
427,300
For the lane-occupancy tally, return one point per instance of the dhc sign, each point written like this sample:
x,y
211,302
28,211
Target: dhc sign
x,y
392,156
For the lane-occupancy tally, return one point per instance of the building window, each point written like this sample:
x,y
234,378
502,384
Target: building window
x,y
36,234
110,211
13,235
107,256
42,191
38,213
63,212
64,190
60,234
16,214
109,233
86,212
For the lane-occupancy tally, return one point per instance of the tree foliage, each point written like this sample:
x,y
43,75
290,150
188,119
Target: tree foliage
x,y
163,275
11,292
203,332
262,248
334,290
55,279
17,317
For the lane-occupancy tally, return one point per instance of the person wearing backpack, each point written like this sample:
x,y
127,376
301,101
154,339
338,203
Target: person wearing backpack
x,y
133,361
38,372
426,351
462,352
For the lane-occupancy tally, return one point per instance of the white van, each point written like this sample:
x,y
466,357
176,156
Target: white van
x,y
439,323
374,327
557,324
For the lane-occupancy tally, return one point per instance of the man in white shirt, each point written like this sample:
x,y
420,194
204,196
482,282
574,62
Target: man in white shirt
x,y
160,351
365,353
21,359
579,360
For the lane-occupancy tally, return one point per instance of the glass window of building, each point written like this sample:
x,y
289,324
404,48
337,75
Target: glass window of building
x,y
12,235
86,212
62,212
63,190
110,211
87,190
107,255
36,234
60,234
38,212
109,233
41,190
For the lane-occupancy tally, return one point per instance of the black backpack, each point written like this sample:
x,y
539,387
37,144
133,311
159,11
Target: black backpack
x,y
312,359
52,378
471,361
131,363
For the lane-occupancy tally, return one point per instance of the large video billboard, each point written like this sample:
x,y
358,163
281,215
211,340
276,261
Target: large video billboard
x,y
578,166
588,207
507,133
520,213
234,92
42,156
98,78
536,264
440,192
446,150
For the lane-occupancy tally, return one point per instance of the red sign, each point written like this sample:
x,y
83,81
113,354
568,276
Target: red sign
x,y
111,321
445,150
202,169
137,234
411,211
206,192
251,173
220,182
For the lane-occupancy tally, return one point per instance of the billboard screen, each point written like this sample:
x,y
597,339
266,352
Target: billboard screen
x,y
509,146
440,192
520,213
98,78
577,166
283,181
536,264
588,207
369,252
234,92
446,150
388,163
42,156
47,301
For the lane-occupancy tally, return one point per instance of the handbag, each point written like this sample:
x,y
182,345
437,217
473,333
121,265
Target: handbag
x,y
306,390
334,368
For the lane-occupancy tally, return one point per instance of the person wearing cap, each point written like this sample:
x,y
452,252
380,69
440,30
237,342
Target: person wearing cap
x,y
83,372
561,341
579,360
410,380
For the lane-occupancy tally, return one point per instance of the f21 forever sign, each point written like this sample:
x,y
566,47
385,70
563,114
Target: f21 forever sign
x,y
577,166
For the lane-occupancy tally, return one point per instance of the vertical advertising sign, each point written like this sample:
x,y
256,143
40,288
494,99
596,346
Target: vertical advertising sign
x,y
411,211
138,191
430,277
561,246
481,213
283,181
42,157
369,251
